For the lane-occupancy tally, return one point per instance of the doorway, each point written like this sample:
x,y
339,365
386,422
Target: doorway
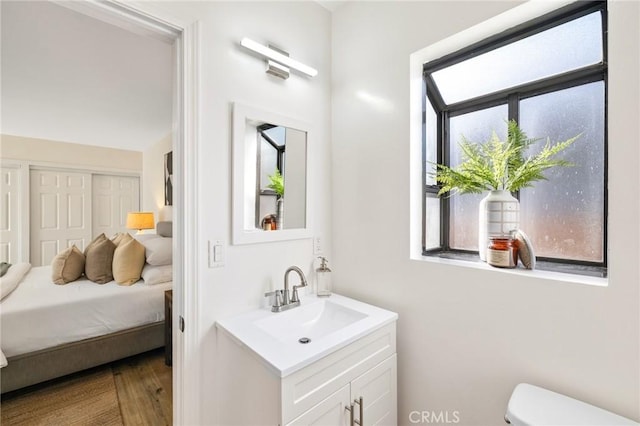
x,y
184,36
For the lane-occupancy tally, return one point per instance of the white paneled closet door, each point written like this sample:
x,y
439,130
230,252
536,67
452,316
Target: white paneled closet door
x,y
113,198
60,213
10,220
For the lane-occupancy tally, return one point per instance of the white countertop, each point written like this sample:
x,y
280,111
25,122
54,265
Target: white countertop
x,y
273,337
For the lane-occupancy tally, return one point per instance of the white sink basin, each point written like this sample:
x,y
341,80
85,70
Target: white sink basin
x,y
311,321
328,323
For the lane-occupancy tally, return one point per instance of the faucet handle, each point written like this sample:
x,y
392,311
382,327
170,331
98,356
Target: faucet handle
x,y
294,296
277,301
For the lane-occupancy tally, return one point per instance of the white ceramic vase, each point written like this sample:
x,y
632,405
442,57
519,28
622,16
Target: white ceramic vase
x,y
280,213
499,213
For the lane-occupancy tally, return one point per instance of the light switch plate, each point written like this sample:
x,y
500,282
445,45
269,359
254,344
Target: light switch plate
x,y
317,245
216,254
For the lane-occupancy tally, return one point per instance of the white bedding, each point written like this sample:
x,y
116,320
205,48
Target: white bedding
x,y
40,314
12,279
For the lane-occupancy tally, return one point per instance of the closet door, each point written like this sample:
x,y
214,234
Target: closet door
x,y
113,198
60,213
10,219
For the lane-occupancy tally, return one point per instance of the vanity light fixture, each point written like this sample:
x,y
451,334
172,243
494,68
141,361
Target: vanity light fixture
x,y
278,61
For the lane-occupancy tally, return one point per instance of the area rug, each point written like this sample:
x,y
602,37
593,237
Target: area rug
x,y
88,399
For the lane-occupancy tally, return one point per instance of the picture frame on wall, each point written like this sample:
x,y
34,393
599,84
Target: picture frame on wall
x,y
168,178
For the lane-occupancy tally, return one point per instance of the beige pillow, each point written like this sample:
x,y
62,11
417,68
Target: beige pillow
x,y
67,266
128,260
118,238
95,241
99,259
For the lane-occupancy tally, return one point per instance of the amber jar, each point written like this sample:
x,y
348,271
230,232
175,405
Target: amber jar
x,y
502,251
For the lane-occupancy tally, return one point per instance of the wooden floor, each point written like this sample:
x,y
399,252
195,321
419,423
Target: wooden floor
x,y
132,391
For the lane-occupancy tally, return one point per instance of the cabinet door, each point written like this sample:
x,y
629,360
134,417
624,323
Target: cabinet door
x,y
329,412
378,389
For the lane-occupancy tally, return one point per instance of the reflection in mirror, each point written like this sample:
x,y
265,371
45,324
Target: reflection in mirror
x,y
270,199
281,183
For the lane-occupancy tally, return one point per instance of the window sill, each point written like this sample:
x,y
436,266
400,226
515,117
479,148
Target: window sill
x,y
559,272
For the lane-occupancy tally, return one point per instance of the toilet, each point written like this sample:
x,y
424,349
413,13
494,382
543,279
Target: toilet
x,y
534,406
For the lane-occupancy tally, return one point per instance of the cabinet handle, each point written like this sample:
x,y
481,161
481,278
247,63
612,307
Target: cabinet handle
x,y
350,409
360,402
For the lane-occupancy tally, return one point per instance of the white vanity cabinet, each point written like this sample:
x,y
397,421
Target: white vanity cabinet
x,y
254,392
376,389
330,411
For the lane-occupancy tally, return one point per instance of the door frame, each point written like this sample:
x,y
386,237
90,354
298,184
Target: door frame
x,y
152,20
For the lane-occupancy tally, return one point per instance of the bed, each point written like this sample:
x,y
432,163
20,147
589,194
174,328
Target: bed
x,y
48,330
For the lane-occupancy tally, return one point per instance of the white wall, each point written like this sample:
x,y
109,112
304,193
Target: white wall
x,y
48,151
466,337
153,179
228,74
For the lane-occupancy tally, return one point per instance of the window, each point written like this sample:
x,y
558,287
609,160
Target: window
x,y
550,76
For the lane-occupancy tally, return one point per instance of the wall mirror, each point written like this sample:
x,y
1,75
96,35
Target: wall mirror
x,y
270,176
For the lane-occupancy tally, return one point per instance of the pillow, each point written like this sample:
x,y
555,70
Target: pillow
x,y
4,267
67,266
99,259
157,274
128,260
145,237
117,239
14,275
95,241
165,229
159,251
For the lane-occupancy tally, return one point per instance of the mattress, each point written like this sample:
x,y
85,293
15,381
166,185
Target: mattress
x,y
40,314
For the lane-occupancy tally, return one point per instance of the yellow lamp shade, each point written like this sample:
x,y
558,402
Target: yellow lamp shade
x,y
140,220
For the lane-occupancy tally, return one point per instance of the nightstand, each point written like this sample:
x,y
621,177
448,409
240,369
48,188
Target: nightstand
x,y
168,305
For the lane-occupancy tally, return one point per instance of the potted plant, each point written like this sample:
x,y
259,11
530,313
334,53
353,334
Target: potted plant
x,y
276,182
500,167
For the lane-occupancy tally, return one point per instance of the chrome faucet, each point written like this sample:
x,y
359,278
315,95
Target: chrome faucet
x,y
303,283
282,302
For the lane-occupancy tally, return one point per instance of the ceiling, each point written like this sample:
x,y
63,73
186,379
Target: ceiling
x,y
331,5
72,78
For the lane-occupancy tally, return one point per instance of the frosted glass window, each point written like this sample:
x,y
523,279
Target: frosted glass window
x,y
564,216
431,136
432,222
563,48
277,134
269,154
550,77
476,126
268,163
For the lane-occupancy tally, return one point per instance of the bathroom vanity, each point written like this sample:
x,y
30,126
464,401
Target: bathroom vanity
x,y
330,361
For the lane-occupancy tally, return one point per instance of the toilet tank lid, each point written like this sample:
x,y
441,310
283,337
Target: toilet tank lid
x,y
532,405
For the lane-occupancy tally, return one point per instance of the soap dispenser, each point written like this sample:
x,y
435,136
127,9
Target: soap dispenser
x,y
323,274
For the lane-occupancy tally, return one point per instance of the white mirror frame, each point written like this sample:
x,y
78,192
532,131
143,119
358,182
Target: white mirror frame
x,y
240,235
